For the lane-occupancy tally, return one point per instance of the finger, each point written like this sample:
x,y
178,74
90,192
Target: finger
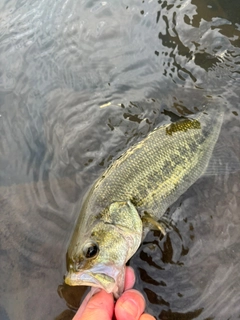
x,y
99,307
130,305
146,316
86,300
129,278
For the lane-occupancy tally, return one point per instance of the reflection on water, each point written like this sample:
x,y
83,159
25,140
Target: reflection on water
x,y
60,61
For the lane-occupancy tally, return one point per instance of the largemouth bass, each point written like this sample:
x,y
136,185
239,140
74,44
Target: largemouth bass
x,y
135,191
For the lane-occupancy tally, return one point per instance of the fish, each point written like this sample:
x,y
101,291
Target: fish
x,y
133,194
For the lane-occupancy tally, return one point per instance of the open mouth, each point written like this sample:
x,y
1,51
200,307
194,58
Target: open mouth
x,y
99,280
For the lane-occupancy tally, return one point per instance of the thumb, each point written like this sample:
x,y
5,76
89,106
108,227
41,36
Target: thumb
x,y
100,307
130,305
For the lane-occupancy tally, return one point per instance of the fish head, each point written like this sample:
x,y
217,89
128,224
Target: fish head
x,y
99,259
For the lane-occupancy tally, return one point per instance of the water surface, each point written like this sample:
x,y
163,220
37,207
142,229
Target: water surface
x,y
80,82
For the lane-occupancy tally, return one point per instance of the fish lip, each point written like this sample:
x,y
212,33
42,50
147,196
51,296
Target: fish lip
x,y
84,278
80,279
107,277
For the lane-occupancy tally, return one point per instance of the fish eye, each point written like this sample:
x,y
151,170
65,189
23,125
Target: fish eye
x,y
90,250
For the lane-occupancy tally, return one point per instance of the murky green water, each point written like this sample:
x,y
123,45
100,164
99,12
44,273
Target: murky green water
x,y
61,62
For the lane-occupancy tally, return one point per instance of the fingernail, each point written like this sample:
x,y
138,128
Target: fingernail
x,y
131,307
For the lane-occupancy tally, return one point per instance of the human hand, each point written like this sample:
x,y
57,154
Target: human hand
x,y
130,305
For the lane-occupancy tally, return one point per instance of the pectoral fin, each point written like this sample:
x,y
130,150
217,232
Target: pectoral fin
x,y
163,224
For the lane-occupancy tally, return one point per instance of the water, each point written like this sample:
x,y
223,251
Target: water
x,y
79,83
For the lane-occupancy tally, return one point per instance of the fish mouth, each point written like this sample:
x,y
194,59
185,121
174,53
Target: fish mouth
x,y
98,280
110,278
104,277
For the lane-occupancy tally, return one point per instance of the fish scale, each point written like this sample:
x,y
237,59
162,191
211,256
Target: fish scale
x,y
155,172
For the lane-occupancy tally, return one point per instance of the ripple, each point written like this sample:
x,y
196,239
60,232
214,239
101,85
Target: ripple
x,y
79,84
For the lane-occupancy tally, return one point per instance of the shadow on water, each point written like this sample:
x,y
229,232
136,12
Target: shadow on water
x,y
79,84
